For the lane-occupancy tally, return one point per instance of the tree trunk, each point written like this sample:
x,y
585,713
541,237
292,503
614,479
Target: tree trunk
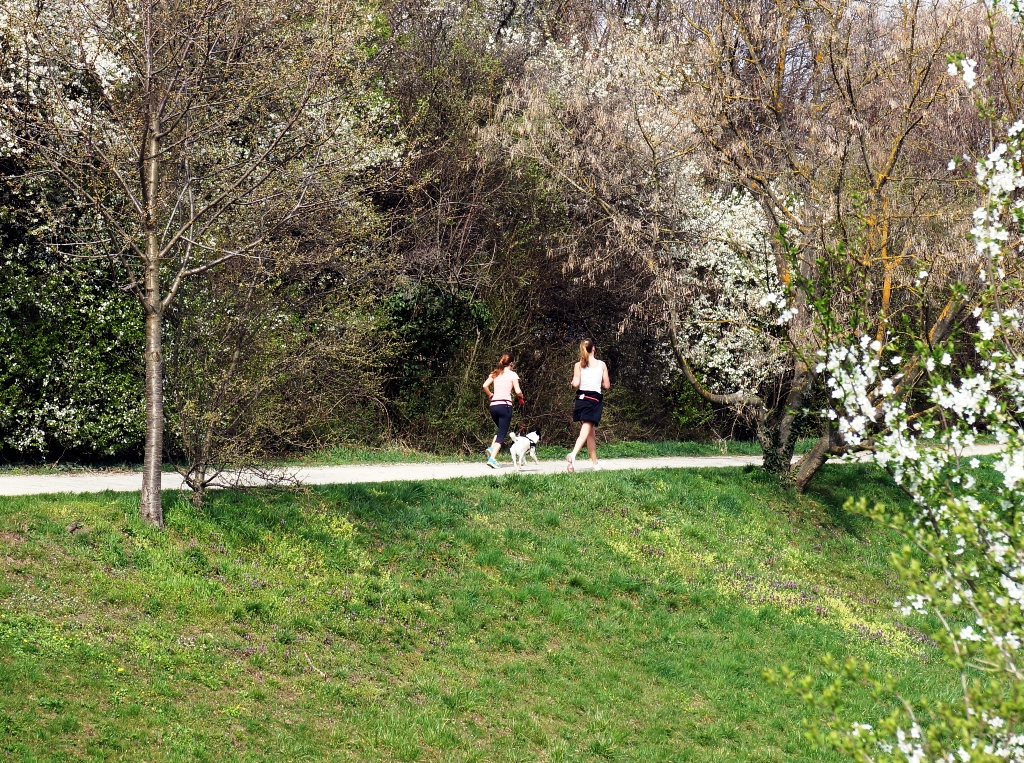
x,y
197,481
778,436
199,470
829,444
151,504
776,449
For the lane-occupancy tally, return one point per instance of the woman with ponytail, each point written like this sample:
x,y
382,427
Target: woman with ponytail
x,y
503,380
590,378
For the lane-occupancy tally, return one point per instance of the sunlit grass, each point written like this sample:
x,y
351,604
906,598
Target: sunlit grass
x,y
615,616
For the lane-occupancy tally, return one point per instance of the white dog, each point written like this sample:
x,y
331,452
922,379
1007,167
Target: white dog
x,y
523,445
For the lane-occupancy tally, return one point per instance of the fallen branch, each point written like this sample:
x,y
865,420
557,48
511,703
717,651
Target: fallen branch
x,y
322,674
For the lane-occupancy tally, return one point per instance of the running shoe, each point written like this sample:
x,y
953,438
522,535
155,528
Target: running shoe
x,y
598,467
492,463
569,465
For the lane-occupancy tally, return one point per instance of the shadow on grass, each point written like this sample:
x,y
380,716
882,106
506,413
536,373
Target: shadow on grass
x,y
837,484
246,517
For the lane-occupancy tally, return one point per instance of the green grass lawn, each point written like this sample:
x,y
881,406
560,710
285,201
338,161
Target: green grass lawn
x,y
608,617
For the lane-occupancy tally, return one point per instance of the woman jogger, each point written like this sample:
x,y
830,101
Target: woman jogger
x,y
590,378
504,380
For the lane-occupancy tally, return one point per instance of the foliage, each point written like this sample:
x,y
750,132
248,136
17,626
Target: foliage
x,y
431,324
462,222
559,170
194,134
70,376
608,616
272,358
70,341
646,219
466,219
754,199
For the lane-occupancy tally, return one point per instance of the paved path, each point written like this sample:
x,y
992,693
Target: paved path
x,y
97,482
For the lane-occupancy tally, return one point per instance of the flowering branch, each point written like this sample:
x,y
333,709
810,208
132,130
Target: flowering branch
x,y
965,562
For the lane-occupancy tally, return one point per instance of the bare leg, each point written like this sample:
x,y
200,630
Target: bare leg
x,y
491,450
592,444
586,430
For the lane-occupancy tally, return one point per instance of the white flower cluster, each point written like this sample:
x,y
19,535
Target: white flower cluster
x,y
854,374
908,744
965,68
786,311
727,285
998,174
50,56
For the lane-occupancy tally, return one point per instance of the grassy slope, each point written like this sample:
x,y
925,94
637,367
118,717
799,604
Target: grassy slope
x,y
614,616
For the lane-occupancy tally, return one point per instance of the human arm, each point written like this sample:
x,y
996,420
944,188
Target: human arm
x,y
575,376
487,383
606,383
519,391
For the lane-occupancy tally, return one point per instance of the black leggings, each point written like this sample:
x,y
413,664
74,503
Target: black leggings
x,y
502,416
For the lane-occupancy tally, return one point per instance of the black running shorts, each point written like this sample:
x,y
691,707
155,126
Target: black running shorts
x,y
588,407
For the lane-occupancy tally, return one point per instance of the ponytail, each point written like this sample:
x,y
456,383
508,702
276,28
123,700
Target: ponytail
x,y
506,360
586,347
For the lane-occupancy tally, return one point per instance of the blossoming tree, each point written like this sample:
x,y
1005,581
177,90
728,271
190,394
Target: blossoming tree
x,y
965,562
839,119
763,175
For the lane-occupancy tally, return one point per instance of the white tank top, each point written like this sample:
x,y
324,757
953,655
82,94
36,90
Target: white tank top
x,y
591,376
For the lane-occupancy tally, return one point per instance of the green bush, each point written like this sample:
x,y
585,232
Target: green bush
x,y
71,376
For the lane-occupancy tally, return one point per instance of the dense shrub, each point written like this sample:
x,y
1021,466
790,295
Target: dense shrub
x,y
72,350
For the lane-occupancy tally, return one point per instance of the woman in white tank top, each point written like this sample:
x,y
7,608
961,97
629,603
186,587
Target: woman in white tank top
x,y
590,379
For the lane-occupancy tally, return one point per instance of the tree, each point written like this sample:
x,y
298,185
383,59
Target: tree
x,y
839,119
826,116
192,132
276,356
